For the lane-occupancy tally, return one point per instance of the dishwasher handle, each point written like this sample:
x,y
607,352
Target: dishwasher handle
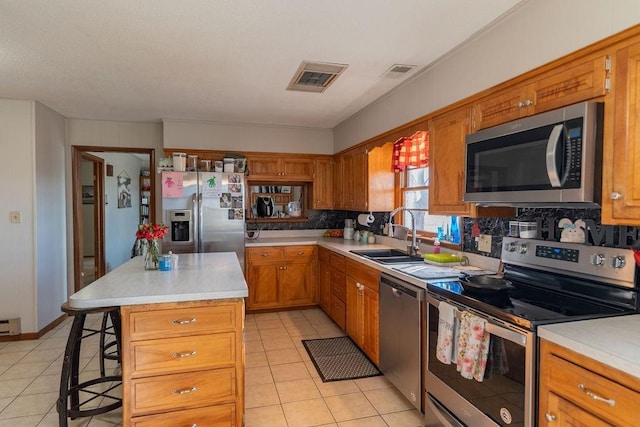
x,y
400,287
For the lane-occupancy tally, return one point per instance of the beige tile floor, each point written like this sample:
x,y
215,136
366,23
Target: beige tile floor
x,y
282,385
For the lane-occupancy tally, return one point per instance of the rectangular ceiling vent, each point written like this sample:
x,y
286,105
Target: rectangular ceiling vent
x,y
315,76
399,71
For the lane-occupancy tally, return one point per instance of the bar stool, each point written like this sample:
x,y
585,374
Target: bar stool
x,y
69,404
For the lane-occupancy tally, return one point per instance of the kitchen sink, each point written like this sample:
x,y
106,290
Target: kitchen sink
x,y
389,256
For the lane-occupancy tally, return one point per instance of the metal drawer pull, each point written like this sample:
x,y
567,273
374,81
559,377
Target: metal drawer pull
x,y
594,396
185,390
177,355
183,321
300,253
265,254
549,417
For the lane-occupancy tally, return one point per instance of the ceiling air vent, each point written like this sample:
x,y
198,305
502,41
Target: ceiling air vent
x,y
399,70
315,76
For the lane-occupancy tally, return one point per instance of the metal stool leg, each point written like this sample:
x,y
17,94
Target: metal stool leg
x,y
69,376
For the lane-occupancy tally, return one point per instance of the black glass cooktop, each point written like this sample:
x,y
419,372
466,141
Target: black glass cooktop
x,y
529,305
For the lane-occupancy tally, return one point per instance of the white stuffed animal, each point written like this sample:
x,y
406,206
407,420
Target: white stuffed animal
x,y
572,232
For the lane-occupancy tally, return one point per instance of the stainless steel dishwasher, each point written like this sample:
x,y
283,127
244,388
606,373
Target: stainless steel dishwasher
x,y
400,345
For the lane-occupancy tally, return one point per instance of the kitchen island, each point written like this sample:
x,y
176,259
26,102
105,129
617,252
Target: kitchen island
x,y
182,339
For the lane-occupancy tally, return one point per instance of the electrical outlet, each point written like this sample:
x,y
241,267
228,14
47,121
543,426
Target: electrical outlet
x,y
484,243
15,217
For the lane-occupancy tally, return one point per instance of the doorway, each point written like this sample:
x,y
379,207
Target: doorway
x,y
89,207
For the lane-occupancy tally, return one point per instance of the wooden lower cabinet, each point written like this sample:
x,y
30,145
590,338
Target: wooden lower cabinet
x,y
281,276
578,391
338,296
324,279
183,363
363,308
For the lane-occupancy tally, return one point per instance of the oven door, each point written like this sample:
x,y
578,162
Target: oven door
x,y
505,396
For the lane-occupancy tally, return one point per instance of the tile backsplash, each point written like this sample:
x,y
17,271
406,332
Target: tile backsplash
x,y
547,220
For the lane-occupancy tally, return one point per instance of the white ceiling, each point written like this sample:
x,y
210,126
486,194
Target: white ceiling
x,y
221,60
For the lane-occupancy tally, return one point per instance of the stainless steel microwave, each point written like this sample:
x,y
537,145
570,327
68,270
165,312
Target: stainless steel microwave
x,y
548,160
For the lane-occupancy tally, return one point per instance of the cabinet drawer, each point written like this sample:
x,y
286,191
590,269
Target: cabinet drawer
x,y
182,354
363,274
339,285
324,255
338,312
182,391
216,416
337,261
575,382
265,253
299,252
181,322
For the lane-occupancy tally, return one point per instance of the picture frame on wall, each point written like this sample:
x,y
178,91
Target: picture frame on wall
x,y
87,194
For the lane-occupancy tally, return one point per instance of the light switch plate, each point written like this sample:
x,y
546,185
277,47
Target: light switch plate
x,y
484,243
15,217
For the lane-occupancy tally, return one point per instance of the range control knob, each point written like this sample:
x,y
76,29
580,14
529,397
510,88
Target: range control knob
x,y
618,261
597,259
510,247
522,248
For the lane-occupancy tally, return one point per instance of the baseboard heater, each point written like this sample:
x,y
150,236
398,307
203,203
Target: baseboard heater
x,y
9,327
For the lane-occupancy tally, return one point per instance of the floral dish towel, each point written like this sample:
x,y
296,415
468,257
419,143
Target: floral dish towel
x,y
473,347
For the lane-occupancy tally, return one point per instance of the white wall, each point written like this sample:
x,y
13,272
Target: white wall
x,y
17,254
233,137
120,223
536,33
51,247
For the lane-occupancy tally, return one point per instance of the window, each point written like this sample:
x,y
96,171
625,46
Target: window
x,y
414,185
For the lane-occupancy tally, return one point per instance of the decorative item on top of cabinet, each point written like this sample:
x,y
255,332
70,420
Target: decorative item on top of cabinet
x,y
447,146
577,390
621,151
580,80
290,167
163,383
281,276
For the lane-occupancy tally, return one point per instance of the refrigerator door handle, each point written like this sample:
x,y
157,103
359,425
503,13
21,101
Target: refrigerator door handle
x,y
196,221
200,224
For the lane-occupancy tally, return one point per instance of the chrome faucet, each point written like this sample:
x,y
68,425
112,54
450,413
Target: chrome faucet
x,y
414,248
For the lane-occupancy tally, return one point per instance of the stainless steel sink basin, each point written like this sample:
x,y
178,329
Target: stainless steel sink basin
x,y
388,256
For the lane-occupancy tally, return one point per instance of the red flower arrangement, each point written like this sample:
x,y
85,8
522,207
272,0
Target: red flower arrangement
x,y
149,235
151,231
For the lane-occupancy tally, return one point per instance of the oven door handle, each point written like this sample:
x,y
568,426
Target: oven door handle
x,y
499,331
441,413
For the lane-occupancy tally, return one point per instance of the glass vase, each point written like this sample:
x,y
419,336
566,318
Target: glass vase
x,y
152,255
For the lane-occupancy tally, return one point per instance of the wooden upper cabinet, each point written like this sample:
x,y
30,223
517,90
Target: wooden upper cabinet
x,y
280,167
621,151
322,190
577,81
364,180
446,162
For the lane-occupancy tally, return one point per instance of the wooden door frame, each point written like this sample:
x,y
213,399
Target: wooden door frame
x,y
79,153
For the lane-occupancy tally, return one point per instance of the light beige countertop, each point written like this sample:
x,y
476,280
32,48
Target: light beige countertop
x,y
198,277
614,341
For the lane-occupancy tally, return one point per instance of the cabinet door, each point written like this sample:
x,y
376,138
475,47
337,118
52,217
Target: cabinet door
x,y
324,287
359,180
500,108
370,329
446,171
347,181
621,164
561,412
322,192
339,195
297,168
264,167
354,311
298,283
380,179
262,279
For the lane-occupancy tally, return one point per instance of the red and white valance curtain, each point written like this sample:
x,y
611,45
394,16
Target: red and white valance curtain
x,y
411,151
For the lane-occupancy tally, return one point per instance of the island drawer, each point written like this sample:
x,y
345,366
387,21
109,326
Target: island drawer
x,y
179,322
222,415
182,391
173,355
265,253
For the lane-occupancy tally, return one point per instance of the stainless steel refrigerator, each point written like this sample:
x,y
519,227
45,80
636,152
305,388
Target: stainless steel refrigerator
x,y
204,211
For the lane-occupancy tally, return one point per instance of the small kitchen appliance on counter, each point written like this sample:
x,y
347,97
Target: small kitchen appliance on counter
x,y
265,206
